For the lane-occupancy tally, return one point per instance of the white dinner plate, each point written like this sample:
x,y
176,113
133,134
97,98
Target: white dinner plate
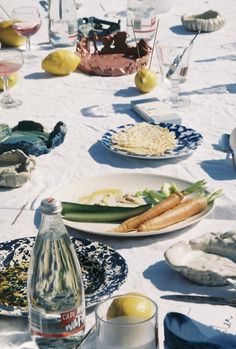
x,y
187,140
128,183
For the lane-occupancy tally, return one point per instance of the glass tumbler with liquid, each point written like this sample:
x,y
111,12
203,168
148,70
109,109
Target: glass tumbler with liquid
x,y
126,322
62,23
56,298
141,19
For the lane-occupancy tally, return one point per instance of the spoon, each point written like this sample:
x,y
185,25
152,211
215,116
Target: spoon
x,y
232,143
178,58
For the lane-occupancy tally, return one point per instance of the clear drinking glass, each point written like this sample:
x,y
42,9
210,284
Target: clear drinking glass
x,y
126,331
26,22
167,54
10,62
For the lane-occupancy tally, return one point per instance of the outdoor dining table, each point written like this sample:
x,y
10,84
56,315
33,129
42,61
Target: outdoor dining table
x,y
89,105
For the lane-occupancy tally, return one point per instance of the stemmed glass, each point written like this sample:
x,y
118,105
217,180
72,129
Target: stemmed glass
x,y
26,22
166,55
10,62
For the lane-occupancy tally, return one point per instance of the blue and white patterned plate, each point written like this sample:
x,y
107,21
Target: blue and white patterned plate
x,y
187,140
103,269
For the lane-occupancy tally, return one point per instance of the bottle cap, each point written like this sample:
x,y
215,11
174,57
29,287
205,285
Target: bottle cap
x,y
50,206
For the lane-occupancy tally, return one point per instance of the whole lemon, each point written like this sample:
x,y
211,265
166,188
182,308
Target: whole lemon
x,y
60,62
12,80
8,36
145,80
130,304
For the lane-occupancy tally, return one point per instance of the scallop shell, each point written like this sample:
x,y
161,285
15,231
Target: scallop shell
x,y
208,260
15,168
205,22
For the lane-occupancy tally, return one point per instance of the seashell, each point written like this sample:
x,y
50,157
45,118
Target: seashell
x,y
15,168
195,261
205,22
222,244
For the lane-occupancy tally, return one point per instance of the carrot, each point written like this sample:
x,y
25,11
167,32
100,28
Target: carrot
x,y
134,222
179,213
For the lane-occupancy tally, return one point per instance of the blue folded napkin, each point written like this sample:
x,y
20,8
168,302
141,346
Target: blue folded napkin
x,y
182,332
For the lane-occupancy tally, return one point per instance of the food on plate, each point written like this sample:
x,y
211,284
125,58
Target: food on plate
x,y
111,197
131,304
8,36
145,80
144,139
168,198
195,262
13,285
98,213
12,80
113,205
179,213
165,205
60,62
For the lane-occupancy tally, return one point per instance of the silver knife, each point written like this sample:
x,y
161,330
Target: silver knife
x,y
201,299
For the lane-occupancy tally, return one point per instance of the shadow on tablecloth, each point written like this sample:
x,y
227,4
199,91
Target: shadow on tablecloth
x,y
223,88
219,170
166,279
103,156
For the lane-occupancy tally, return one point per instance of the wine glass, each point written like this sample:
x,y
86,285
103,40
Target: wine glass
x,y
26,22
167,54
10,62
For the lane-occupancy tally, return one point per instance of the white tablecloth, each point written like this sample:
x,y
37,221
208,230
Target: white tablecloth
x,y
90,105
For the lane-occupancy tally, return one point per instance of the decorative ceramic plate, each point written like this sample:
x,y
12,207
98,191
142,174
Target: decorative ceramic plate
x,y
128,183
103,269
187,140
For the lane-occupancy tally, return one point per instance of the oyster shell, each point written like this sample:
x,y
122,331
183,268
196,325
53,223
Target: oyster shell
x,y
208,21
208,260
15,168
222,244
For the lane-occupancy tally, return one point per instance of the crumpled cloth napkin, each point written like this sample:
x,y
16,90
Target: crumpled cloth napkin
x,y
32,139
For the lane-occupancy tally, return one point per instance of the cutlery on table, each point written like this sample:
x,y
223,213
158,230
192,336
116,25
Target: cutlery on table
x,y
19,213
201,299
